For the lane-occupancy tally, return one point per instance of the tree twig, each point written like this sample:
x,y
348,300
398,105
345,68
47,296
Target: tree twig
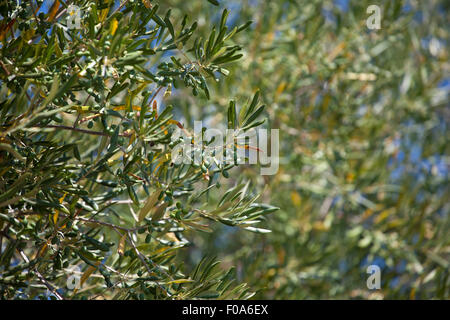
x,y
96,133
39,275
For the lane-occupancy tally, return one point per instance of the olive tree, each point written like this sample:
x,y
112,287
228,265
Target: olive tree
x,y
92,204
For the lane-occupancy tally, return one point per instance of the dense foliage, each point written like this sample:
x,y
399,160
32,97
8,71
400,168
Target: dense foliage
x,y
89,193
88,186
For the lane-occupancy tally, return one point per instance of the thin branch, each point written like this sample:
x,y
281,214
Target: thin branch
x,y
96,133
39,275
4,68
106,224
142,258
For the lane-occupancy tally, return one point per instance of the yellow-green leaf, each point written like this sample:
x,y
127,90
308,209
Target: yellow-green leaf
x,y
149,204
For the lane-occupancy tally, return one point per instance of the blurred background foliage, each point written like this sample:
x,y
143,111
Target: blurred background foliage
x,y
363,118
363,178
